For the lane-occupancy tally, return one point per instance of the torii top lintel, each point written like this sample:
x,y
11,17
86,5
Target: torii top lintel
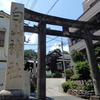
x,y
34,16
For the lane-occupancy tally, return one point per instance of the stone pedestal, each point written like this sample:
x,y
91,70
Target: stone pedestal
x,y
13,95
95,98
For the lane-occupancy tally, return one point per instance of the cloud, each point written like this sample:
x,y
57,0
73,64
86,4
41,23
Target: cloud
x,y
66,48
32,38
6,5
56,46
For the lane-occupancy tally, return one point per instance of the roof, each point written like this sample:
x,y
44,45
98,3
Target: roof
x,y
4,13
51,52
66,56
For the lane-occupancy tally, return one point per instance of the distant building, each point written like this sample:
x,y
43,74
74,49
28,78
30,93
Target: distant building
x,y
54,60
91,14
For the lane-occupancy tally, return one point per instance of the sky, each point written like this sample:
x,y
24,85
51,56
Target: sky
x,y
69,9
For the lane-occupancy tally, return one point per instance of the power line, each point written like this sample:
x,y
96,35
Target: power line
x,y
27,3
50,9
52,6
33,4
51,39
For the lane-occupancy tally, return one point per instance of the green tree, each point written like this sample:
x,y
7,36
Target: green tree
x,y
29,54
77,56
97,53
69,73
65,52
83,70
58,50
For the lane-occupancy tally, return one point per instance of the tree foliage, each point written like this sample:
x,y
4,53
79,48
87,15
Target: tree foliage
x,y
58,50
83,70
29,54
97,53
77,56
65,52
69,73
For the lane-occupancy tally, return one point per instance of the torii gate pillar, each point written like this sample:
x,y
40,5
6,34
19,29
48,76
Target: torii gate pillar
x,y
92,62
41,69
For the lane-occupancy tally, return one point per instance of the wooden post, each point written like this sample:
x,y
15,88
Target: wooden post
x,y
41,69
92,62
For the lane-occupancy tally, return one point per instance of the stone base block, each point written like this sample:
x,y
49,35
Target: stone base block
x,y
14,95
95,98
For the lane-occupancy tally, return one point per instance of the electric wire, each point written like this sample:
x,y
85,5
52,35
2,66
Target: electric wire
x,y
49,10
52,6
27,3
33,4
51,38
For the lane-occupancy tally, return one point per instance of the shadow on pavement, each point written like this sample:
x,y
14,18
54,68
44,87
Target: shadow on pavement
x,y
33,97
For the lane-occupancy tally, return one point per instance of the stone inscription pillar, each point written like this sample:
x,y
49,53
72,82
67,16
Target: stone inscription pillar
x,y
41,69
15,57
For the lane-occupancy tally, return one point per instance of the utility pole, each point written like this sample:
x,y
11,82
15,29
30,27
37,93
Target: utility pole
x,y
63,60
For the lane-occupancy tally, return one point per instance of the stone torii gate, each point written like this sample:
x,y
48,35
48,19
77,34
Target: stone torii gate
x,y
19,13
85,28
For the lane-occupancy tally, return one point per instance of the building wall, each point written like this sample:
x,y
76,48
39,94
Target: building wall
x,y
4,23
2,79
89,15
86,4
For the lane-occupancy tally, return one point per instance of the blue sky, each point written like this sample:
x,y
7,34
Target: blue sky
x,y
70,9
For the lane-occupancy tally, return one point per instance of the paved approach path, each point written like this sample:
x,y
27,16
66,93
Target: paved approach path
x,y
52,90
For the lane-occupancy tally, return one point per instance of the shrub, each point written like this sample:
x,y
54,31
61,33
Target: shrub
x,y
57,74
69,84
99,67
74,77
80,87
83,87
72,85
65,86
33,86
89,86
69,73
83,70
47,68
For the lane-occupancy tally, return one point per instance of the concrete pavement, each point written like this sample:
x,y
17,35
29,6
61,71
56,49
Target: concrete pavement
x,y
52,90
53,93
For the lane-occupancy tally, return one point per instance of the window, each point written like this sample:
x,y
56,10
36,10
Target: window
x,y
59,66
2,36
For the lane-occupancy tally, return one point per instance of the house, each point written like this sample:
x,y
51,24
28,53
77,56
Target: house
x,y
4,30
91,14
54,60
